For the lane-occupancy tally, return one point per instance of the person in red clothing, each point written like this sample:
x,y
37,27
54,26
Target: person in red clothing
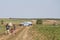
x,y
11,30
14,28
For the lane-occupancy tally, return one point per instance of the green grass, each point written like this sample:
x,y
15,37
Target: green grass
x,y
2,29
49,31
14,20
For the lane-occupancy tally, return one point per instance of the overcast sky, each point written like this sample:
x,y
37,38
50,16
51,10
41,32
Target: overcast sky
x,y
30,8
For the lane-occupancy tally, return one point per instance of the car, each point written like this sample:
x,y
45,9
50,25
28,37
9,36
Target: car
x,y
26,24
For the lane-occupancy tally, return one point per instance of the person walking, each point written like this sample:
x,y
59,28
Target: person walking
x,y
7,28
14,28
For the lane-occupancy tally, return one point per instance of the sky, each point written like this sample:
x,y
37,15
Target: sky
x,y
30,8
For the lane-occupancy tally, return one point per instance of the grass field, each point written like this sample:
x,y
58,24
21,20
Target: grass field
x,y
46,32
38,32
14,20
2,29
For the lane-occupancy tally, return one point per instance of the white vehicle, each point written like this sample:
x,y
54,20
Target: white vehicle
x,y
26,24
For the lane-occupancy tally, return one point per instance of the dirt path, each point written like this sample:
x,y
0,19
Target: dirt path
x,y
5,37
23,35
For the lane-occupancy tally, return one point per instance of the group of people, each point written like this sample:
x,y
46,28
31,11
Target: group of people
x,y
10,28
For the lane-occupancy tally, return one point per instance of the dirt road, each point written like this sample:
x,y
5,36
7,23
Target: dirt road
x,y
22,35
5,37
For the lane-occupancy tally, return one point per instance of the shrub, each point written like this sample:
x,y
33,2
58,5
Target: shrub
x,y
39,21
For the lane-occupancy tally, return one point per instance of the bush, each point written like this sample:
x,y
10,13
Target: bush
x,y
39,21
